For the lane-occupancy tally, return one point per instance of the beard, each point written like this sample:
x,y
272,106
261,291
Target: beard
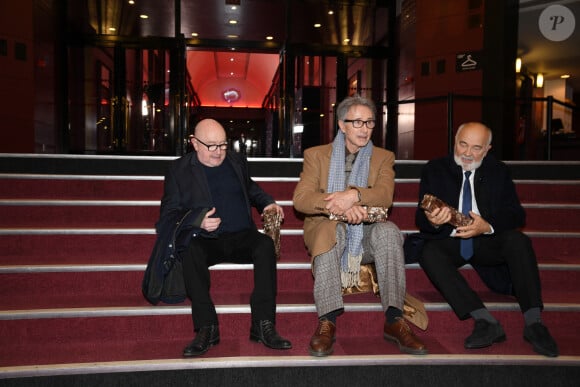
x,y
473,165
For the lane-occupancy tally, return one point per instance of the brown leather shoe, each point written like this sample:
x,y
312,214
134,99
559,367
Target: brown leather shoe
x,y
323,339
400,333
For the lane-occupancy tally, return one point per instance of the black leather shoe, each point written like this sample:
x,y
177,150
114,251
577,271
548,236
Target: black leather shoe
x,y
264,332
205,338
543,343
484,334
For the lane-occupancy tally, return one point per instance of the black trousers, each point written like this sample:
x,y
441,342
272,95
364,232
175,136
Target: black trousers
x,y
441,260
249,246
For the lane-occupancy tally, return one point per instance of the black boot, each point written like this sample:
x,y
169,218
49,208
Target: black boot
x,y
264,332
205,338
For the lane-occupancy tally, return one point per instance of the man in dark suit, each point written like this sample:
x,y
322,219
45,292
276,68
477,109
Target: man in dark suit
x,y
214,184
493,238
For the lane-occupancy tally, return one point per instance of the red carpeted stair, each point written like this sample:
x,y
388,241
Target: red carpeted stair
x,y
74,248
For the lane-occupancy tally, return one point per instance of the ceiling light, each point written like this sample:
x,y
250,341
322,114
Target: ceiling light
x,y
518,65
346,40
233,21
269,37
131,2
231,36
231,59
330,12
112,29
539,80
565,76
317,25
194,34
234,7
144,16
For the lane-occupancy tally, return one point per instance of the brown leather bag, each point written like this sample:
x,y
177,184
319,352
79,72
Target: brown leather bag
x,y
413,308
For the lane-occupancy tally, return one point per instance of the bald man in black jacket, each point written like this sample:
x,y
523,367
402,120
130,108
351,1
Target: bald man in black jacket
x,y
492,240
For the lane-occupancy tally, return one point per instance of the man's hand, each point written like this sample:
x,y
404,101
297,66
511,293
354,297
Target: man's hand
x,y
276,207
341,201
356,215
210,224
439,216
478,227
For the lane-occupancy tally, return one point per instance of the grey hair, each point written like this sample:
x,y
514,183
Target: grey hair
x,y
355,100
487,129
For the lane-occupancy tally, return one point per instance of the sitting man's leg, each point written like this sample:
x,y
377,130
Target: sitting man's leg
x,y
383,245
440,261
196,275
327,295
260,248
516,250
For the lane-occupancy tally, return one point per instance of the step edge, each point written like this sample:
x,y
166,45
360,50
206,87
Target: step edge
x,y
281,361
162,310
148,231
274,179
157,203
79,268
91,203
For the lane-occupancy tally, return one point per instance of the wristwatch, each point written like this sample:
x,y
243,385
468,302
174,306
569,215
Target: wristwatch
x,y
358,193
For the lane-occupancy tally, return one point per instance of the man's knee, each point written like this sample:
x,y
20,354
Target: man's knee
x,y
516,238
387,232
427,258
264,247
324,260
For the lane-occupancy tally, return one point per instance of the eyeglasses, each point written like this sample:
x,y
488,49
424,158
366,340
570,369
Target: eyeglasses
x,y
359,123
213,147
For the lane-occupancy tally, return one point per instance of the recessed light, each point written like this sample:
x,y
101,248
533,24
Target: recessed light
x,y
131,2
144,16
112,29
346,40
195,34
331,12
232,36
317,25
269,37
232,21
565,76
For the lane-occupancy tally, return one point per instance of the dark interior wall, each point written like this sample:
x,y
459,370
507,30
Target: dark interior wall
x,y
499,80
17,91
446,32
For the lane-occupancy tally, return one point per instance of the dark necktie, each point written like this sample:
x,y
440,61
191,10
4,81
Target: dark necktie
x,y
466,248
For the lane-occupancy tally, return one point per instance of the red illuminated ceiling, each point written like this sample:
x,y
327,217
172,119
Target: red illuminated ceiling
x,y
213,73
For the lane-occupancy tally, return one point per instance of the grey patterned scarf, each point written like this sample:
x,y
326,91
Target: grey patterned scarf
x,y
352,256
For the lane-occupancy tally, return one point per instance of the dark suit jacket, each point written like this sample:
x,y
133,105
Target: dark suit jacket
x,y
494,189
497,201
186,200
186,187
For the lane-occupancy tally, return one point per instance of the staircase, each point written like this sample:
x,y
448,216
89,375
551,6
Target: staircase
x,y
76,235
